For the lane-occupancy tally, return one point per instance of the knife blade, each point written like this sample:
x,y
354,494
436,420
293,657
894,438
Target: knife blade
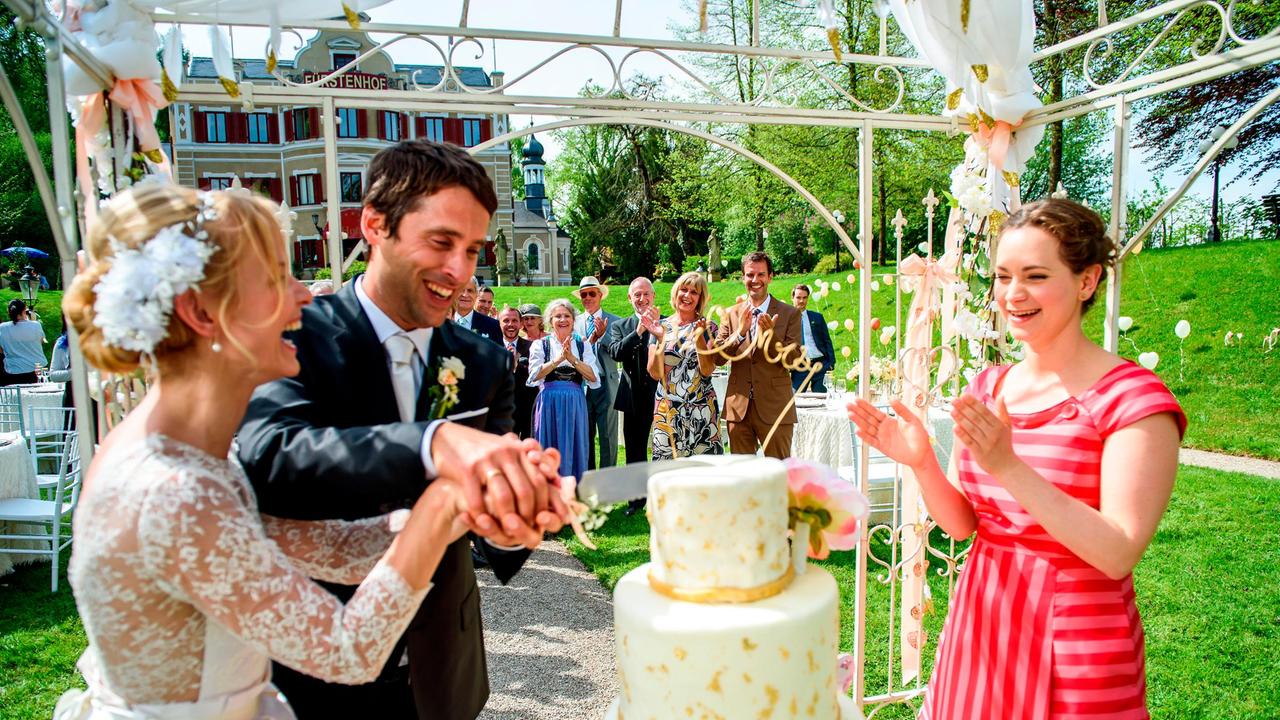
x,y
622,483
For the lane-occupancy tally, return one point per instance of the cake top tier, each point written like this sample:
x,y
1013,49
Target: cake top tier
x,y
719,531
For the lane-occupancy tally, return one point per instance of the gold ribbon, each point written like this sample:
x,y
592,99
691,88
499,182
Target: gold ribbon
x,y
723,594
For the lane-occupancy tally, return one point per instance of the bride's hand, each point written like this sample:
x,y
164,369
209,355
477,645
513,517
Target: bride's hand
x,y
902,439
444,501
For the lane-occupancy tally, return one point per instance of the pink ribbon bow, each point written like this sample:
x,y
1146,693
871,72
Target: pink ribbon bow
x,y
929,276
996,139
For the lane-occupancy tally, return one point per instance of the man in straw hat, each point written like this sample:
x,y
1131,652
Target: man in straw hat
x,y
602,419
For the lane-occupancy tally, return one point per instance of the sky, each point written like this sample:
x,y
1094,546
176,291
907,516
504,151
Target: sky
x,y
569,73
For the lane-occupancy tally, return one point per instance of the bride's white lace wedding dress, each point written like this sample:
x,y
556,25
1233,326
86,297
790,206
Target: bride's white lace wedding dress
x,y
186,592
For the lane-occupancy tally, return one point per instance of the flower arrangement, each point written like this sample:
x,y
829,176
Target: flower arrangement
x,y
135,296
444,394
832,508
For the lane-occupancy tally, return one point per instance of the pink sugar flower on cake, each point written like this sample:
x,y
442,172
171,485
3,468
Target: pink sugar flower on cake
x,y
832,507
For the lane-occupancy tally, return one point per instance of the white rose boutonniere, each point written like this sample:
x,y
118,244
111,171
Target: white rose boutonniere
x,y
444,395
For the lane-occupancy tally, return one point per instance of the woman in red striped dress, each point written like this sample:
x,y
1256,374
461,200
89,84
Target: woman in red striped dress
x,y
1065,464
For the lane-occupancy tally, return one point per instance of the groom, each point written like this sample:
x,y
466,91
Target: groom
x,y
354,435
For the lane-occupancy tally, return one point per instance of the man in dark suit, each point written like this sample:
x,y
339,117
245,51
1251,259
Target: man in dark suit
x,y
366,425
627,343
602,419
511,324
477,322
816,340
759,391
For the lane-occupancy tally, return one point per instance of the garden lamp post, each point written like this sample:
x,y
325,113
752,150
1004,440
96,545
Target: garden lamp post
x,y
1215,233
29,283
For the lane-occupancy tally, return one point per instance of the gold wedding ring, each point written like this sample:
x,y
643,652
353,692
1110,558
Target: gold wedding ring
x,y
491,473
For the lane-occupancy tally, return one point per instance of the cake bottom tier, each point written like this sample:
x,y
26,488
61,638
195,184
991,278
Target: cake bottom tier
x,y
773,658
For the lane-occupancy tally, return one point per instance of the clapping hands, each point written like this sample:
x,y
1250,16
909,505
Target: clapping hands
x,y
902,439
650,321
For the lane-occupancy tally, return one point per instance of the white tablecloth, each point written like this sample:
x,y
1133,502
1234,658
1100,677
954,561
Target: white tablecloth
x,y
17,479
45,395
823,435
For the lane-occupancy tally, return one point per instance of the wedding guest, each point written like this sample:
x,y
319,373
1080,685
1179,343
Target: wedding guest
x,y
561,364
531,319
484,303
1065,464
465,314
390,398
686,418
185,590
602,419
627,342
509,318
759,391
816,341
22,343
60,362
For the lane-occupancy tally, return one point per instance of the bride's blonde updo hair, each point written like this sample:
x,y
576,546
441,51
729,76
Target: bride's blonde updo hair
x,y
244,229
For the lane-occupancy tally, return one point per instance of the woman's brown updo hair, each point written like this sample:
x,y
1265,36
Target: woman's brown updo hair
x,y
1080,232
245,227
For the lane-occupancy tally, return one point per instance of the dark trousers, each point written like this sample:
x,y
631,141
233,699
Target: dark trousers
x,y
313,699
636,426
817,385
20,379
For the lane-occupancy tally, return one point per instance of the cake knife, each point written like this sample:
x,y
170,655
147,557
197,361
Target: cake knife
x,y
607,486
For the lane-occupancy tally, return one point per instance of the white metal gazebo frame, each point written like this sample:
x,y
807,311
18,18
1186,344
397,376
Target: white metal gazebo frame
x,y
1229,52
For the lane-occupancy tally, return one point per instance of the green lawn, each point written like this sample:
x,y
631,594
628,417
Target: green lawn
x,y
1208,590
1228,393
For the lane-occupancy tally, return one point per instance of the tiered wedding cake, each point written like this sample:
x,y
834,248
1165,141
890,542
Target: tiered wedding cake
x,y
720,624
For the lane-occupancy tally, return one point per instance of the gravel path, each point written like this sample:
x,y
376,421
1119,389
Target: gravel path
x,y
549,640
1232,463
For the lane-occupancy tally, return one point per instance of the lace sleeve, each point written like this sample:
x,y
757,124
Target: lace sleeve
x,y
202,543
333,550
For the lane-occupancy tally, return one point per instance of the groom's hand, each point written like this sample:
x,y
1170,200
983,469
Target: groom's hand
x,y
502,479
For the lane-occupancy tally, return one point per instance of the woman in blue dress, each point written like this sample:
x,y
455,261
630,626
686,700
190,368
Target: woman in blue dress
x,y
562,366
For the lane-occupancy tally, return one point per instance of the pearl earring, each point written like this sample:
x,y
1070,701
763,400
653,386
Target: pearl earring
x,y
216,346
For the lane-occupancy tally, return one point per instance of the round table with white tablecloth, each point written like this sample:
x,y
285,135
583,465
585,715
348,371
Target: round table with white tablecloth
x,y
17,480
43,395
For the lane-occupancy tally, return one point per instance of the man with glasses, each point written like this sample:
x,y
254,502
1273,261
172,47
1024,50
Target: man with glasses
x,y
602,419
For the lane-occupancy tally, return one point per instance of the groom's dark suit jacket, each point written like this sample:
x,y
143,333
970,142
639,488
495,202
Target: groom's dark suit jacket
x,y
329,444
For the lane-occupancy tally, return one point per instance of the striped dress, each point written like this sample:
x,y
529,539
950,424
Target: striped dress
x,y
1034,632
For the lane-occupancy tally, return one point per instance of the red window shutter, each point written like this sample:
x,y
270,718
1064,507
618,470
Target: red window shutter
x,y
362,123
293,191
486,130
453,131
237,127
273,131
382,124
319,186
288,126
315,122
201,127
404,126
419,127
204,183
273,189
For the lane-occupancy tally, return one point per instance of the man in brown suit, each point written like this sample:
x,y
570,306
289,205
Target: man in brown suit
x,y
759,390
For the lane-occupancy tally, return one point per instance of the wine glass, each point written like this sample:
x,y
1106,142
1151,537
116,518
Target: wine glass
x,y
42,374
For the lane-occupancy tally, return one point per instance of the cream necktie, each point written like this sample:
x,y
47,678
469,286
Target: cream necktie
x,y
403,380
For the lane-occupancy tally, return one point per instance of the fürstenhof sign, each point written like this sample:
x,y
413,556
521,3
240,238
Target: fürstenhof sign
x,y
353,80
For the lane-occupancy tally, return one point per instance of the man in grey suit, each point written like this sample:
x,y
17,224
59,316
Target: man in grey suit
x,y
602,419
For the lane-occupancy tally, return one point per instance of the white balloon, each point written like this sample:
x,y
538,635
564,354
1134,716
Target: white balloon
x,y
833,325
1182,329
849,324
846,351
835,286
1149,360
875,286
1124,323
851,278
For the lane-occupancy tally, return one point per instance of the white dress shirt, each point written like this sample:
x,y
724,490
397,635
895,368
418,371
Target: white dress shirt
x,y
384,327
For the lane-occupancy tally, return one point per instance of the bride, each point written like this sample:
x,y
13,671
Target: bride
x,y
185,591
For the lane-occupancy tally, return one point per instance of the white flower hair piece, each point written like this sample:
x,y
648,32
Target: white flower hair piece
x,y
135,297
